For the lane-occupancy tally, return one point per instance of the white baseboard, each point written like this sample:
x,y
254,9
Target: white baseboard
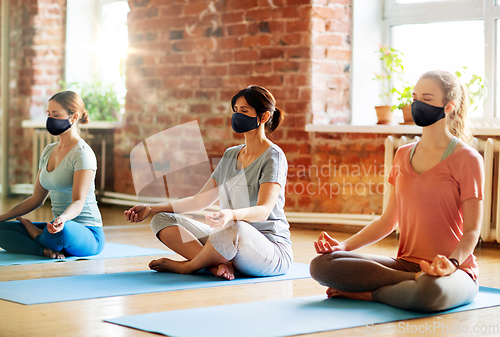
x,y
293,217
20,189
123,199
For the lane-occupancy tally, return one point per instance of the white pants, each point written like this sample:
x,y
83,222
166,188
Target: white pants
x,y
251,252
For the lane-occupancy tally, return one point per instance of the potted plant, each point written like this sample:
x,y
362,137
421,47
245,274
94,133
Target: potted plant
x,y
475,87
391,68
101,101
404,98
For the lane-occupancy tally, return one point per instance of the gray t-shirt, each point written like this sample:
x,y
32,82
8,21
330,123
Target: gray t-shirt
x,y
59,182
240,188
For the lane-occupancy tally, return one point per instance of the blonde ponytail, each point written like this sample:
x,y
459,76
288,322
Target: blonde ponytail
x,y
457,123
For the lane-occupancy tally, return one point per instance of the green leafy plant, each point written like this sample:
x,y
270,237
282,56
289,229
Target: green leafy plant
x,y
404,96
392,71
100,100
475,86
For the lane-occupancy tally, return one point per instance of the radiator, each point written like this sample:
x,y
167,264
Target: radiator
x,y
490,228
41,138
490,150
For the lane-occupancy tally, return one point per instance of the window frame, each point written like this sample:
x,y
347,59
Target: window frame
x,y
463,10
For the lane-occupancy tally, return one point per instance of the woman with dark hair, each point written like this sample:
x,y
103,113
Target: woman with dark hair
x,y
66,171
250,233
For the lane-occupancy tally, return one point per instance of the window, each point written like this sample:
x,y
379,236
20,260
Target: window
x,y
448,35
432,34
440,45
112,44
96,43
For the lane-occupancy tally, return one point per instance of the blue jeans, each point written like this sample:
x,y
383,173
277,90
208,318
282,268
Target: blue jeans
x,y
74,240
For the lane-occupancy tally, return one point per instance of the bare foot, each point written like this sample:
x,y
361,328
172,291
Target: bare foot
x,y
365,296
33,230
53,255
167,265
226,270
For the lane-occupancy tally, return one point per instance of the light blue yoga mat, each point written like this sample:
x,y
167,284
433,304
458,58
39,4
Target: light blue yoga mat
x,y
111,250
82,287
294,316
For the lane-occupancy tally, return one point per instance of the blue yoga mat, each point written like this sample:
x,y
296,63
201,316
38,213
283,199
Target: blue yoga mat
x,y
82,287
111,250
294,316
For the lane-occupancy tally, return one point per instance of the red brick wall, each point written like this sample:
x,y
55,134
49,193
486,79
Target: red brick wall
x,y
331,56
343,173
187,59
36,66
190,57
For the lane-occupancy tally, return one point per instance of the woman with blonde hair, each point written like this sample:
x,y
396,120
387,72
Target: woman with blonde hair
x,y
66,171
436,200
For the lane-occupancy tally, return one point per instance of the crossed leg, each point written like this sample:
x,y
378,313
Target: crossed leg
x,y
355,276
238,246
394,282
198,256
34,231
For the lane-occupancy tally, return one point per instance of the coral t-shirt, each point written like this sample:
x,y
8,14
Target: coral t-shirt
x,y
429,205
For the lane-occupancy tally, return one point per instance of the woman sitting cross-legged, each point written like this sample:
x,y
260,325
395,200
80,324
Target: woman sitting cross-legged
x,y
66,171
250,233
436,199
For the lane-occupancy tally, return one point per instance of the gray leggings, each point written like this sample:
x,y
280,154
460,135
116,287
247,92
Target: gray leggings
x,y
392,281
251,252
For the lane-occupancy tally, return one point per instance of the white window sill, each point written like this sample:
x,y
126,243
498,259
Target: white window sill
x,y
391,129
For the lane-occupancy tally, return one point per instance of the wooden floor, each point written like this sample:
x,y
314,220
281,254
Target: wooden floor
x,y
85,318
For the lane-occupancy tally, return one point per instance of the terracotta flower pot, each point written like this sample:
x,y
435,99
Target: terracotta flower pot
x,y
407,114
384,114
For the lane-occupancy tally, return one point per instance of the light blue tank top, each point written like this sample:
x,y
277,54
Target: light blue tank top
x,y
59,182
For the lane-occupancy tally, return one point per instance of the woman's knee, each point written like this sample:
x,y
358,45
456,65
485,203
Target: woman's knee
x,y
316,267
229,240
53,241
323,266
163,218
431,296
12,225
227,236
161,221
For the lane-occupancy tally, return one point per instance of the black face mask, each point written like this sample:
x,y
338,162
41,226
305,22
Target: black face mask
x,y
242,123
56,126
425,114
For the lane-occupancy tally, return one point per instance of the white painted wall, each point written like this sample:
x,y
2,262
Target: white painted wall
x,y
368,33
